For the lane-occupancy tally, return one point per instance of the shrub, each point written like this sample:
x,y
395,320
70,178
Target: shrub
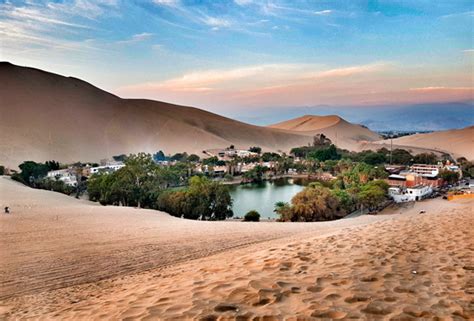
x,y
252,216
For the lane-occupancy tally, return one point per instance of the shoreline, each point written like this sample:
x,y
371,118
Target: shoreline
x,y
240,181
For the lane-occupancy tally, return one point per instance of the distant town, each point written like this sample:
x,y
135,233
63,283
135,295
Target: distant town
x,y
357,180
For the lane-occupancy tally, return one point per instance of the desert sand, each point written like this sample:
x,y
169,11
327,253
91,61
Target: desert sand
x,y
47,116
342,133
458,142
69,259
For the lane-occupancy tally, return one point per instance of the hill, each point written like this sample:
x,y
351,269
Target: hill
x,y
342,133
458,142
48,116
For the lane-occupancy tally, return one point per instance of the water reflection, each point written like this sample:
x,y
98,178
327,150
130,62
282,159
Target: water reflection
x,y
263,196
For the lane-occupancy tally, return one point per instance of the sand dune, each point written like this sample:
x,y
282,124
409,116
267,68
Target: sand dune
x,y
47,116
459,142
53,240
342,133
387,267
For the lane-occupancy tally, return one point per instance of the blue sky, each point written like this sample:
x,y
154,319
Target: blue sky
x,y
246,54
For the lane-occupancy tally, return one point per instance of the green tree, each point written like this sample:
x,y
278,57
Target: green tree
x,y
255,174
203,199
402,157
315,203
252,216
119,158
325,154
448,176
159,156
193,158
372,196
255,149
180,157
425,158
283,210
31,172
346,200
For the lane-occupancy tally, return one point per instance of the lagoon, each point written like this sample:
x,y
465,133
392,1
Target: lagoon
x,y
263,196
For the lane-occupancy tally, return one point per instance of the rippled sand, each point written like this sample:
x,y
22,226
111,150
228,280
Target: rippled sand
x,y
394,267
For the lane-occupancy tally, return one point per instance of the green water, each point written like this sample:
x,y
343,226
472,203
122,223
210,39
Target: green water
x,y
263,196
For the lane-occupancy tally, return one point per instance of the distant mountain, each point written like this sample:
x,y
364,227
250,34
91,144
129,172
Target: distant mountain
x,y
423,117
433,117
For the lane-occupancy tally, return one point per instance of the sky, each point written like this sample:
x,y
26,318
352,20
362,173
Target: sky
x,y
245,55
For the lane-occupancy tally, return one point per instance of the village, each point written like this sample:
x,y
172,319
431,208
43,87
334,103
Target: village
x,y
407,183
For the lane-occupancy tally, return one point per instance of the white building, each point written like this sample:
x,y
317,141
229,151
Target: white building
x,y
425,170
106,168
410,194
65,175
235,152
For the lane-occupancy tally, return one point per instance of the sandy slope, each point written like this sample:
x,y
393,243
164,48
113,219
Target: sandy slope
x,y
459,142
342,133
47,116
399,267
53,240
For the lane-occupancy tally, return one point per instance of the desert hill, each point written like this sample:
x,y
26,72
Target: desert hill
x,y
458,142
48,116
342,133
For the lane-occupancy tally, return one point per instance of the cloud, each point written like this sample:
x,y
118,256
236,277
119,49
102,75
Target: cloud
x,y
136,38
217,22
442,89
243,2
35,28
23,14
323,12
459,15
84,8
171,3
302,85
259,82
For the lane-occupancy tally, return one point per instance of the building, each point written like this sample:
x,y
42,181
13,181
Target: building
x,y
410,194
68,176
426,170
228,153
409,179
109,168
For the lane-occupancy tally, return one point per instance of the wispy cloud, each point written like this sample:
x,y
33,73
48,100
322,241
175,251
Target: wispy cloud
x,y
323,12
459,15
84,8
243,2
171,3
216,22
36,15
136,38
263,81
432,89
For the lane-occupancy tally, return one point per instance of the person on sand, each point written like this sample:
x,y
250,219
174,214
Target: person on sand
x,y
7,210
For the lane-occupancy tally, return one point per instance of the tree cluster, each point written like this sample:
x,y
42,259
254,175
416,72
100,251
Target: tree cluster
x,y
34,174
358,185
137,184
202,199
